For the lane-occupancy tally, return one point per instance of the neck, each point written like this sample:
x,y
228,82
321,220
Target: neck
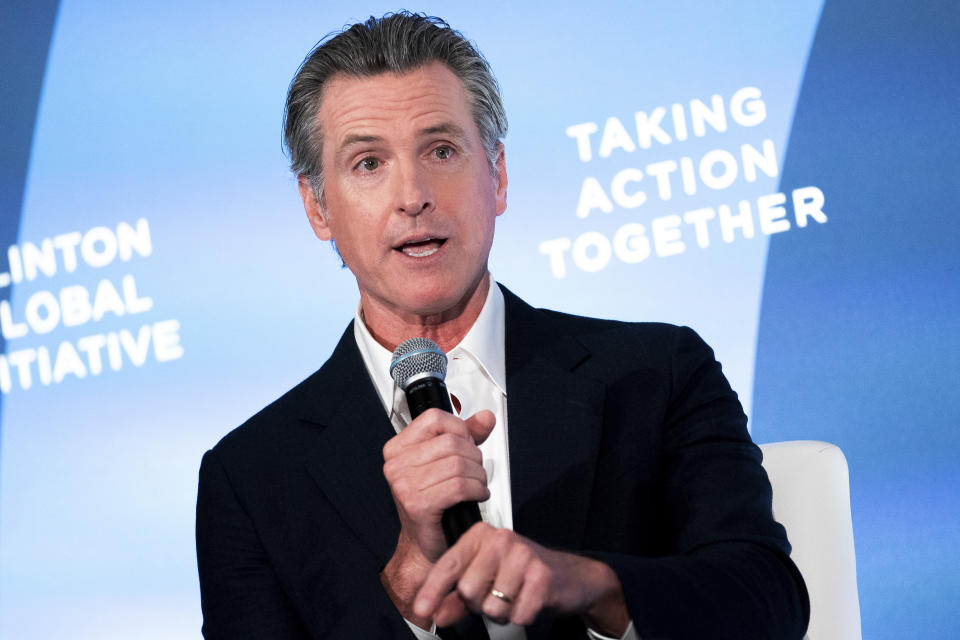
x,y
446,328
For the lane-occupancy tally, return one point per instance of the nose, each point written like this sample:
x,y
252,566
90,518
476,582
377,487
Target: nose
x,y
413,189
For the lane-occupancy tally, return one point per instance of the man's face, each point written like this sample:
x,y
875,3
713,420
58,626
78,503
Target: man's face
x,y
409,195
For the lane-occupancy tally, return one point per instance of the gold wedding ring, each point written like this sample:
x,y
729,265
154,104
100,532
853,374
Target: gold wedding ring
x,y
496,593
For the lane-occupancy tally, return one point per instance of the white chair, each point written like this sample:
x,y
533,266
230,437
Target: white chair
x,y
811,499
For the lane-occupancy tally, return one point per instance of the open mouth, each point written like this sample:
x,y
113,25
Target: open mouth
x,y
421,248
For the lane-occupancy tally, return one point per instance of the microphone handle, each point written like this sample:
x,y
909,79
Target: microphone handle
x,y
431,393
427,393
457,519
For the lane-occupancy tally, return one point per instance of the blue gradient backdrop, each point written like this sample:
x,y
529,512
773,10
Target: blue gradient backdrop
x,y
859,336
842,331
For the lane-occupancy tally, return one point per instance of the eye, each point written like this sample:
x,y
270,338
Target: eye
x,y
369,164
443,152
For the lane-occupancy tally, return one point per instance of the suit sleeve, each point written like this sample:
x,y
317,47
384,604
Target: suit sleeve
x,y
729,574
240,594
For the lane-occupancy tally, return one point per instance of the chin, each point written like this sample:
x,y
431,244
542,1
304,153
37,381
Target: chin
x,y
433,305
437,299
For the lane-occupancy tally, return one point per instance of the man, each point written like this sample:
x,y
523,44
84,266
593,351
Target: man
x,y
621,493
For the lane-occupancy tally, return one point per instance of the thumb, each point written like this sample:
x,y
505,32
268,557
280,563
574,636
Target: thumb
x,y
480,425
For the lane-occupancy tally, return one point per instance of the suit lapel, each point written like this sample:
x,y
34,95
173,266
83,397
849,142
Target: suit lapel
x,y
346,461
555,419
554,422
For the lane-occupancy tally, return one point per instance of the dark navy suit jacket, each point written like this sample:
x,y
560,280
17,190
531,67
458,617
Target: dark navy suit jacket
x,y
626,444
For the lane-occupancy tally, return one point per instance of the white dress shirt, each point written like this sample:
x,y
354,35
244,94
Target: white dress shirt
x,y
476,376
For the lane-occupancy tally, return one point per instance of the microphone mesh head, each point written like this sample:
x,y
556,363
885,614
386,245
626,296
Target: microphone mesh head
x,y
415,357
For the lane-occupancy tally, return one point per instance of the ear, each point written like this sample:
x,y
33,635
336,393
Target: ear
x,y
315,212
501,176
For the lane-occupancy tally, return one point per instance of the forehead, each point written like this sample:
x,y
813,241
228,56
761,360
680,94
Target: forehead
x,y
391,104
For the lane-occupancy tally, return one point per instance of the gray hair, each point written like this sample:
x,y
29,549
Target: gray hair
x,y
396,43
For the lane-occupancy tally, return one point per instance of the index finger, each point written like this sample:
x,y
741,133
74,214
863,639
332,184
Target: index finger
x,y
447,571
431,423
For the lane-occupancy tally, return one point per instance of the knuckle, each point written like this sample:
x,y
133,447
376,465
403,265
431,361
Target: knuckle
x,y
388,449
423,422
448,442
434,418
458,465
401,487
389,469
451,564
469,592
541,576
479,530
503,537
462,487
523,555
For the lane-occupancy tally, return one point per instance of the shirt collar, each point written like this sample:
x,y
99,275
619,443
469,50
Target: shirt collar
x,y
484,342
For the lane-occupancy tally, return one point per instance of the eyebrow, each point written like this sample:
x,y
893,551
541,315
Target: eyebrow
x,y
360,138
445,127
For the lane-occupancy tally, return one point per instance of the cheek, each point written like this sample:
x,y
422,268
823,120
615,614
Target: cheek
x,y
481,237
355,246
354,220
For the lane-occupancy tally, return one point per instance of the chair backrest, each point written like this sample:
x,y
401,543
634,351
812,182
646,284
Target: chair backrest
x,y
811,499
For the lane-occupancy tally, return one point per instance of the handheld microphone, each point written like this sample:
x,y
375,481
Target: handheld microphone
x,y
419,367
